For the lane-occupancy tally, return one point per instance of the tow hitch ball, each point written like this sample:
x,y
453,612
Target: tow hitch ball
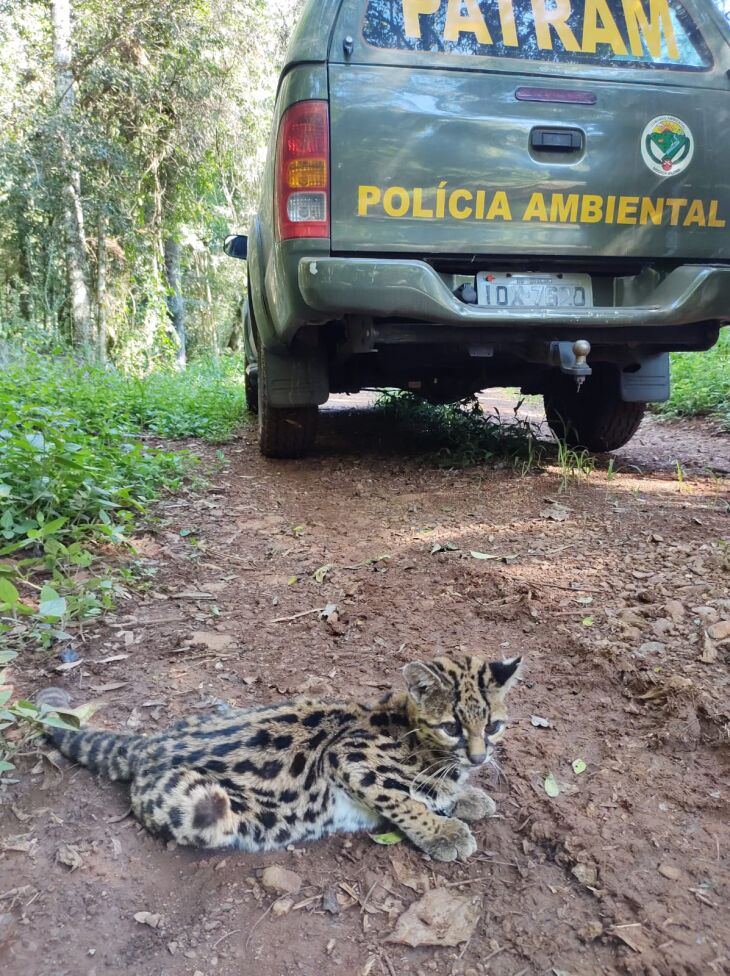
x,y
574,360
581,351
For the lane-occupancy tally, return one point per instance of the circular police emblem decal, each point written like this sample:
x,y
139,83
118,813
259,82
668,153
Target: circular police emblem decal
x,y
667,145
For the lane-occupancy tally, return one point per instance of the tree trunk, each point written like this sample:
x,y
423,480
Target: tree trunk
x,y
235,340
101,267
73,215
207,274
25,282
175,302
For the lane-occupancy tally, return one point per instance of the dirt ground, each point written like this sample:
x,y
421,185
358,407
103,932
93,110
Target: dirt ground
x,y
616,591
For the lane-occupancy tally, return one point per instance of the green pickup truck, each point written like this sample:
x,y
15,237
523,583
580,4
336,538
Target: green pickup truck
x,y
470,193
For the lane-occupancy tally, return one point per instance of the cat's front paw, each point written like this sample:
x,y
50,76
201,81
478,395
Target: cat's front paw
x,y
454,842
474,804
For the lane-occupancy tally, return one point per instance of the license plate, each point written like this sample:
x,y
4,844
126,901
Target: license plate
x,y
534,290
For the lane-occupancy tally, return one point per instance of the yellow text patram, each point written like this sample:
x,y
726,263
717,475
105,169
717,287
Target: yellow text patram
x,y
638,26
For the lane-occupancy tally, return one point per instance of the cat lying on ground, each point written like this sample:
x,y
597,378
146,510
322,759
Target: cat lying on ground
x,y
262,778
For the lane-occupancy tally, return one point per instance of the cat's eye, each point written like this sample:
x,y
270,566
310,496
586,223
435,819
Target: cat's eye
x,y
493,728
452,729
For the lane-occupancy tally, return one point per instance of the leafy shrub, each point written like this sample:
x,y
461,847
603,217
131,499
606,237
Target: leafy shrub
x,y
70,463
75,470
701,383
206,401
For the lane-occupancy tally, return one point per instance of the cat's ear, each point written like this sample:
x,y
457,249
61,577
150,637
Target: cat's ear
x,y
420,679
506,673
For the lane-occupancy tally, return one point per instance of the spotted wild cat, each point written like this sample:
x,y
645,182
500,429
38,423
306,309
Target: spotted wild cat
x,y
262,778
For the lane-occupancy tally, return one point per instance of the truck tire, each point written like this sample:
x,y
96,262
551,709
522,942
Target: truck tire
x,y
284,432
251,390
250,349
596,418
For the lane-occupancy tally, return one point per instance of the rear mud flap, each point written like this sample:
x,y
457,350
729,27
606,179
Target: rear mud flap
x,y
295,381
648,382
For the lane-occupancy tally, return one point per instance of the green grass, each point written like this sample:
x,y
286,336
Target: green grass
x,y
70,446
461,435
206,401
75,470
701,383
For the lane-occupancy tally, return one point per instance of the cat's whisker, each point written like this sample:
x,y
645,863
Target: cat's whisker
x,y
422,779
492,761
406,734
422,774
441,769
439,785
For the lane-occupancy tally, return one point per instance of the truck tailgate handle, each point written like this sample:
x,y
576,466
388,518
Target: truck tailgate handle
x,y
556,140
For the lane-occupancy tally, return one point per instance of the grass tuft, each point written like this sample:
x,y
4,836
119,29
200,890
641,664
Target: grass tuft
x,y
574,463
461,435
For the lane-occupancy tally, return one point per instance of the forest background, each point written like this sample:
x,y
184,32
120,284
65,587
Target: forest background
x,y
131,137
132,134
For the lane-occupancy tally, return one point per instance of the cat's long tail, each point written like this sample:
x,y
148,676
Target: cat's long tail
x,y
103,752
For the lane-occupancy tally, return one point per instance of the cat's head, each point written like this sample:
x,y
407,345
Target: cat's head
x,y
457,707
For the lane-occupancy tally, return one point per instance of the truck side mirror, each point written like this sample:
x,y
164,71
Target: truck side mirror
x,y
236,246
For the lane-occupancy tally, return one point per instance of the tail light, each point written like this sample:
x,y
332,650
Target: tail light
x,y
302,172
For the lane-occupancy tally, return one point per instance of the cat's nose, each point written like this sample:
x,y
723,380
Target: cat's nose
x,y
476,750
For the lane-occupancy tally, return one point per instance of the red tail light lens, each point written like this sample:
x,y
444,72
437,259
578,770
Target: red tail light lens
x,y
302,172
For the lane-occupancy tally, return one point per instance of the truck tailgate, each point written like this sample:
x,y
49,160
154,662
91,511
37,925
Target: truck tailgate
x,y
441,151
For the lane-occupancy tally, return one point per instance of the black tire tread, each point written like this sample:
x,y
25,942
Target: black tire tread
x,y
251,389
596,418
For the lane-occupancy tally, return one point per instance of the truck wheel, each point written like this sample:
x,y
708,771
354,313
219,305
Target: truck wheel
x,y
251,389
250,349
284,432
596,418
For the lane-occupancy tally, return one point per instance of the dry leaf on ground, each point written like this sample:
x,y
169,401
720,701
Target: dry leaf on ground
x,y
70,856
440,918
709,651
408,876
148,918
556,513
280,880
211,639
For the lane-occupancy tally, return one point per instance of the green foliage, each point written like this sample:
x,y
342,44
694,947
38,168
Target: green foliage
x,y
21,720
70,463
207,400
461,435
76,472
574,463
701,383
170,114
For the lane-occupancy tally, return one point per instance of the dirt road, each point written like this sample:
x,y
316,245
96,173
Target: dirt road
x,y
617,593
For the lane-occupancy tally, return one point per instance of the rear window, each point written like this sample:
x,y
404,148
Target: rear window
x,y
632,33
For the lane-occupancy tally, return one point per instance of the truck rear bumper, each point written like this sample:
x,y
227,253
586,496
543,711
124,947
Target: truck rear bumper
x,y
412,290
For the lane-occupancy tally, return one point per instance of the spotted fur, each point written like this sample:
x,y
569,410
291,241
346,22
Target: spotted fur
x,y
262,778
